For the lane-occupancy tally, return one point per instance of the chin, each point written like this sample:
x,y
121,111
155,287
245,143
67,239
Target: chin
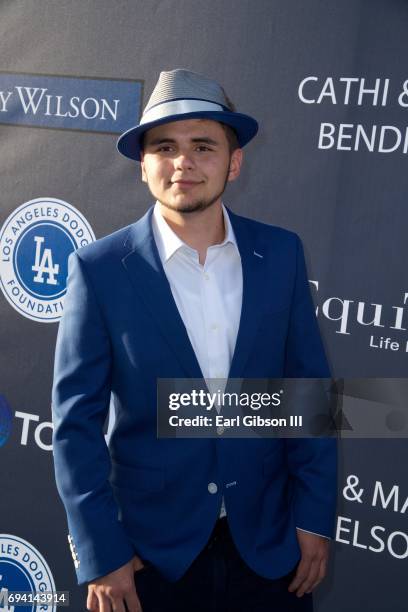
x,y
186,207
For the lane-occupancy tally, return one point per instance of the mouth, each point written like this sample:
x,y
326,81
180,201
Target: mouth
x,y
185,183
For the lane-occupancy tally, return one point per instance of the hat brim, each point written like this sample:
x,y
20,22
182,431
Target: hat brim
x,y
245,127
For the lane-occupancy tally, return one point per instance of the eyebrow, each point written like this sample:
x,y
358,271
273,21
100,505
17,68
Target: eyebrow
x,y
200,139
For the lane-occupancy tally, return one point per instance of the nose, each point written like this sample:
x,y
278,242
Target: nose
x,y
183,161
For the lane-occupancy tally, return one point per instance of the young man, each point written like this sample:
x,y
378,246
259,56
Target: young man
x,y
189,290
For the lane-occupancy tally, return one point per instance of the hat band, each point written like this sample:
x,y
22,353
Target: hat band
x,y
178,107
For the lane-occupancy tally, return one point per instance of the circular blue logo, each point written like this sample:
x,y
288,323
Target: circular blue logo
x,y
24,570
35,243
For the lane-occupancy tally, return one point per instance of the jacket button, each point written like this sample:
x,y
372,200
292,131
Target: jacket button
x,y
212,487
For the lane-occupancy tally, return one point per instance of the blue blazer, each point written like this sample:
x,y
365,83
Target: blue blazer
x,y
120,331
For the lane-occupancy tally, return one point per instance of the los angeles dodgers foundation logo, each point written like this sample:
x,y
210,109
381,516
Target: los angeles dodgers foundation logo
x,y
24,569
35,243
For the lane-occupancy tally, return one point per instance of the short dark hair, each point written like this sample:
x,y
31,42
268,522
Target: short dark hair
x,y
232,137
230,133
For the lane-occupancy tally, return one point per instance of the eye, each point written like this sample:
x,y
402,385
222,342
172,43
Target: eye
x,y
203,148
165,148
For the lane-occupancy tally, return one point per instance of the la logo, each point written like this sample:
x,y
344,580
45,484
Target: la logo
x,y
43,264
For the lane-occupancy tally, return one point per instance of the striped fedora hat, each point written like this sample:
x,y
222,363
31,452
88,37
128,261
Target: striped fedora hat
x,y
183,94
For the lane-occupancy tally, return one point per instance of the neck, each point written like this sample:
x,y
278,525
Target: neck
x,y
200,229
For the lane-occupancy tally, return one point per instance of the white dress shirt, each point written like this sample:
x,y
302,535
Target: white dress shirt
x,y
208,297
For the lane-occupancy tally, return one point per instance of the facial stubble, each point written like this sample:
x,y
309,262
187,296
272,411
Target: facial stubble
x,y
198,205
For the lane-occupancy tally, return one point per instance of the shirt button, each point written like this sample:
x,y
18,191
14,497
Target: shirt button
x,y
206,276
212,487
214,326
220,430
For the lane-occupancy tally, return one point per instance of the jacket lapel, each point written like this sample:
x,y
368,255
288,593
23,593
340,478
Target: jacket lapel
x,y
149,280
253,293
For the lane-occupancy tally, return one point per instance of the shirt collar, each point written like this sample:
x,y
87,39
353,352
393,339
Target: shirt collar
x,y
168,242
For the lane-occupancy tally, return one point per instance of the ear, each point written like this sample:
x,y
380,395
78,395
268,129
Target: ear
x,y
235,164
142,167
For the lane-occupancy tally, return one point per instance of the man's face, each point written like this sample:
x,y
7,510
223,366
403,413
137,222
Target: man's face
x,y
187,164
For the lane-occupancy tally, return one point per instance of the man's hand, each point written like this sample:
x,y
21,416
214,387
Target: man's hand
x,y
312,567
110,593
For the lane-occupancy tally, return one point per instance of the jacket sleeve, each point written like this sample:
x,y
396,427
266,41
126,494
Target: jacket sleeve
x,y
312,461
80,403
